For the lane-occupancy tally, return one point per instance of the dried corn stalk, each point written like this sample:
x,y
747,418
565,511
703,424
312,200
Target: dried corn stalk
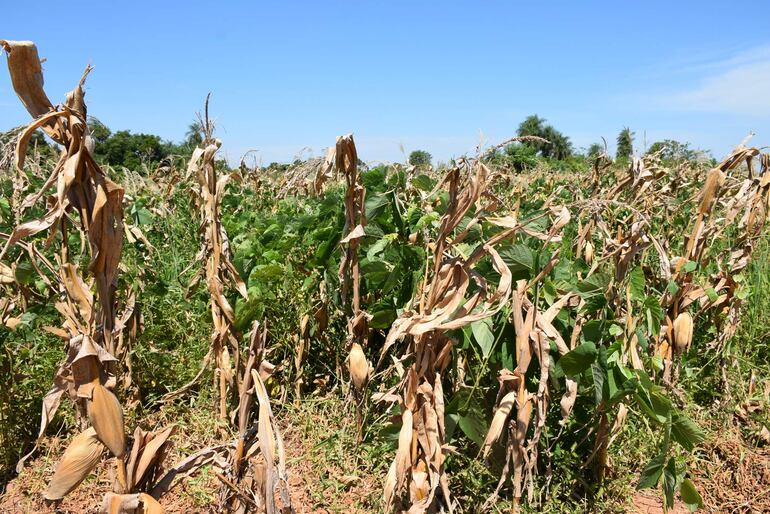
x,y
82,187
346,161
417,480
746,212
219,269
516,405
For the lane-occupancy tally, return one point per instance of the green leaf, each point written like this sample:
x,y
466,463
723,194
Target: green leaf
x,y
450,422
473,427
636,283
579,359
423,183
482,333
382,318
712,294
25,273
616,330
690,495
654,314
651,473
690,266
592,330
379,246
518,257
143,216
685,432
599,376
594,285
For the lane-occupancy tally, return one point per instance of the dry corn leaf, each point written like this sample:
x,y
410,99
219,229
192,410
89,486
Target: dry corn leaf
x,y
150,453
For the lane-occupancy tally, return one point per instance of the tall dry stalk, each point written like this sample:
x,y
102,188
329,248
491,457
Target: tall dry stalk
x,y
218,266
417,480
346,161
87,374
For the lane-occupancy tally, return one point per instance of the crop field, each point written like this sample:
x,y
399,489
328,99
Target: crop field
x,y
517,330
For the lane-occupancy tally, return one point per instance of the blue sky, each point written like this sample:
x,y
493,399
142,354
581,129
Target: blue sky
x,y
287,77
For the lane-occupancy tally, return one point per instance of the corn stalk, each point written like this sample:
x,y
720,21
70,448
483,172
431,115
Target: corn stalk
x,y
218,268
90,321
417,480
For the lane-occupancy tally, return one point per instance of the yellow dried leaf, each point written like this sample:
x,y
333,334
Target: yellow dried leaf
x,y
589,253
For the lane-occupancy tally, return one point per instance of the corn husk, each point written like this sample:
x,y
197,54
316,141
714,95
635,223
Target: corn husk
x,y
683,327
498,421
106,416
589,253
81,456
358,366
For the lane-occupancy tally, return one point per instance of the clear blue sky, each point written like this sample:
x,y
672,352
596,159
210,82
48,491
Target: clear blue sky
x,y
422,75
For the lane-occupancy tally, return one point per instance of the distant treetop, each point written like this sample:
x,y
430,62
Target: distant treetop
x,y
420,158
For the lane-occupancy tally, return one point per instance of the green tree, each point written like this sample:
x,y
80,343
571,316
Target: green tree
x,y
194,135
558,145
420,158
594,150
672,150
625,144
98,130
521,156
131,150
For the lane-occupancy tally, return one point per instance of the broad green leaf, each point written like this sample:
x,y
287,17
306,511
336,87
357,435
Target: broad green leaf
x,y
450,422
379,246
25,273
579,359
599,375
690,495
382,318
689,266
592,330
482,333
473,427
685,432
518,257
594,285
423,183
654,314
636,283
651,473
